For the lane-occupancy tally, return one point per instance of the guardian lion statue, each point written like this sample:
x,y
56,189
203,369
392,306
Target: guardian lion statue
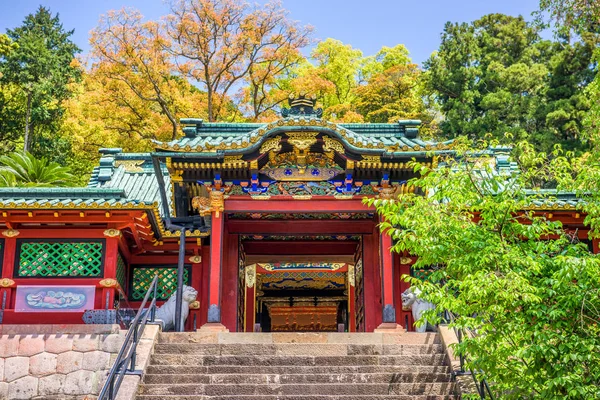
x,y
165,315
411,301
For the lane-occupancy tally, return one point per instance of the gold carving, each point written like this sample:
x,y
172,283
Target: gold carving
x,y
6,282
349,164
250,271
130,165
10,233
302,141
272,144
254,164
108,283
302,197
330,144
206,205
343,196
260,197
405,260
387,193
194,305
195,259
351,278
112,233
371,159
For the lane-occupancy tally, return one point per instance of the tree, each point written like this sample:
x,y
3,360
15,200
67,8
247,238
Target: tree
x,y
41,66
135,53
339,64
526,288
570,15
220,42
23,169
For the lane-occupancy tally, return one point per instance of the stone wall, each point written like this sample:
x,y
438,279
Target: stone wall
x,y
63,361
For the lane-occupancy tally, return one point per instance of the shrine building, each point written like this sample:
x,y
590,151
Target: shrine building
x,y
276,234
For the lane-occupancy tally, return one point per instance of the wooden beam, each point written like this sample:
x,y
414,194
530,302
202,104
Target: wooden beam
x,y
289,247
315,205
301,227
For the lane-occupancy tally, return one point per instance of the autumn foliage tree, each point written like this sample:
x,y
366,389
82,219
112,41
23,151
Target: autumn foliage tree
x,y
221,43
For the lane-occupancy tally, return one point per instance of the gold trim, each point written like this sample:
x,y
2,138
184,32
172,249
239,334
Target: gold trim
x,y
351,277
112,233
302,197
6,282
10,233
195,305
195,259
405,260
108,283
260,197
130,165
250,275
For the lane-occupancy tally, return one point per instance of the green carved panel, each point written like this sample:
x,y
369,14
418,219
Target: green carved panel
x,y
422,273
121,272
60,258
167,281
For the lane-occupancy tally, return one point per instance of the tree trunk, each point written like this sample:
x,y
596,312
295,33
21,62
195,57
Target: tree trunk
x,y
27,123
209,95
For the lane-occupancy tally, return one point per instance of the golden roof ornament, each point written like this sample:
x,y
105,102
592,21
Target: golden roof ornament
x,y
303,105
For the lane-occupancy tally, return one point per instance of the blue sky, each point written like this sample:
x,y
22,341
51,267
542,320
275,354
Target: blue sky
x,y
365,24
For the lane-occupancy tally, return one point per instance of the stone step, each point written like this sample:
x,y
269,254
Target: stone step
x,y
298,369
315,349
298,337
301,397
299,389
262,360
284,379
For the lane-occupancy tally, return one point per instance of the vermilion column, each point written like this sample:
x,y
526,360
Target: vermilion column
x,y
8,267
110,267
351,299
216,258
250,300
387,277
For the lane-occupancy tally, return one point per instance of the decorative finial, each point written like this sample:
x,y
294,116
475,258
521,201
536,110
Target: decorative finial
x,y
302,105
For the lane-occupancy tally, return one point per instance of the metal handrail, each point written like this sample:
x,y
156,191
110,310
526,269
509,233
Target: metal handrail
x,y
125,362
483,388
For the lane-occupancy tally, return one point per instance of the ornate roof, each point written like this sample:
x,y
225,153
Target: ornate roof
x,y
389,140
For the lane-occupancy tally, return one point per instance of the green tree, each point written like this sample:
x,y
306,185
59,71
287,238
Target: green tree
x,y
497,76
528,289
23,169
41,66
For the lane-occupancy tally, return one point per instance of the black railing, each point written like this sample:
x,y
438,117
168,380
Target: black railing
x,y
483,388
125,362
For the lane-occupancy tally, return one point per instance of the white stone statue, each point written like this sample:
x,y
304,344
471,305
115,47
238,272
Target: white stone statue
x,y
411,301
166,313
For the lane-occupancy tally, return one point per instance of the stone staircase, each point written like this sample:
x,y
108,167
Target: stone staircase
x,y
297,366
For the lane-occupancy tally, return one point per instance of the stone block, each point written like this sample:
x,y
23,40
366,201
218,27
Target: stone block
x,y
112,343
3,390
1,370
128,389
96,360
86,342
15,368
30,345
51,385
69,362
293,337
23,388
96,329
151,332
57,344
42,364
21,330
9,346
80,383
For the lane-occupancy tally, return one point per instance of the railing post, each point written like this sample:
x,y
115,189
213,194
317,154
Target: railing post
x,y
153,308
135,336
179,296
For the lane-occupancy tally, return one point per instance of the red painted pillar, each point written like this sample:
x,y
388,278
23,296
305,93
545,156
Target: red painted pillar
x,y
110,267
372,281
250,300
596,246
229,281
8,269
216,260
351,299
387,277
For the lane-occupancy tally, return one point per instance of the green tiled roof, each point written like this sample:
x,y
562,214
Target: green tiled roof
x,y
400,137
